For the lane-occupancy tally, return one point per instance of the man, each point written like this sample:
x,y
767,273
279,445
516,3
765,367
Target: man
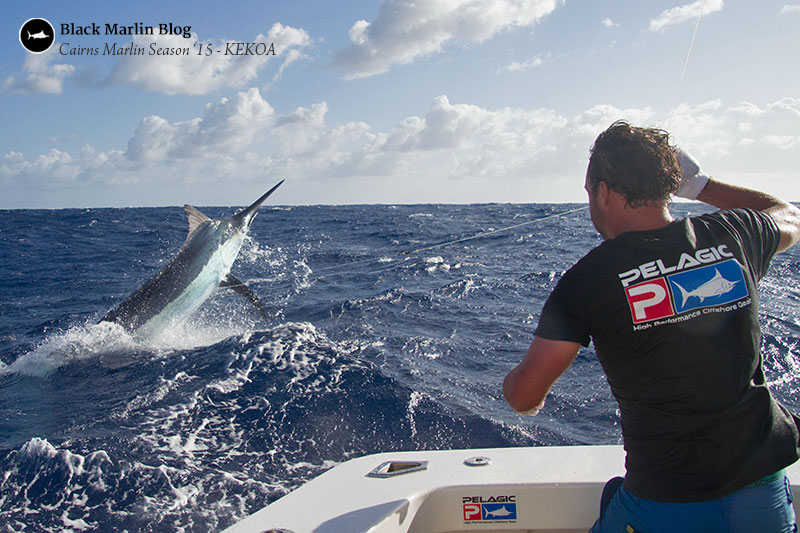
x,y
671,308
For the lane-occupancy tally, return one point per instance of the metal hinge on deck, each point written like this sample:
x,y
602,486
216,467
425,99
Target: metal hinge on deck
x,y
396,468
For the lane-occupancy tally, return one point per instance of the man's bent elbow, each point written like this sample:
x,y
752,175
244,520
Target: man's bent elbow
x,y
788,220
519,398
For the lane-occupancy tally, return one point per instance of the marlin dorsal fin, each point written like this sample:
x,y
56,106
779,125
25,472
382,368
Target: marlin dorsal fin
x,y
196,218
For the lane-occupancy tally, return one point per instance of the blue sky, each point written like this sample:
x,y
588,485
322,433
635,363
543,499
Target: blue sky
x,y
393,101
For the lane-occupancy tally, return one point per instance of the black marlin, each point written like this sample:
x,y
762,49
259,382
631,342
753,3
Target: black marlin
x,y
188,279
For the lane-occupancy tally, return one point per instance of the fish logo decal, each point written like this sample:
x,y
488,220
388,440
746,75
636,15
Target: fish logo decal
x,y
500,508
37,35
716,286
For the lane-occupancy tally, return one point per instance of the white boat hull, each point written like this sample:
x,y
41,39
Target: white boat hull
x,y
542,490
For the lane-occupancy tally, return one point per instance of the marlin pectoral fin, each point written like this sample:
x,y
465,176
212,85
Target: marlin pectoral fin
x,y
232,282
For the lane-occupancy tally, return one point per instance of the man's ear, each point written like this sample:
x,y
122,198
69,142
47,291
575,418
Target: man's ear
x,y
603,193
609,198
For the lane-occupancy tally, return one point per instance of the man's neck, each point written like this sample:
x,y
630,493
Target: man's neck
x,y
640,219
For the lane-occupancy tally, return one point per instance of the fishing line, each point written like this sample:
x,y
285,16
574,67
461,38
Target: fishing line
x,y
407,253
685,65
491,232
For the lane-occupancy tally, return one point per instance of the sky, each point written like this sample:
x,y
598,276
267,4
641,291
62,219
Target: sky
x,y
385,101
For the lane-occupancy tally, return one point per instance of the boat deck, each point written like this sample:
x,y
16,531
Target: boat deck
x,y
499,490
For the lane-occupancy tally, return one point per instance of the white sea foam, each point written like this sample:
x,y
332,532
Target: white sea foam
x,y
210,326
413,402
76,343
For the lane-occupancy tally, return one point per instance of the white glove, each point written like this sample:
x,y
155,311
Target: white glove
x,y
693,181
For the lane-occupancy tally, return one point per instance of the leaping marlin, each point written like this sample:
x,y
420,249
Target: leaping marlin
x,y
188,279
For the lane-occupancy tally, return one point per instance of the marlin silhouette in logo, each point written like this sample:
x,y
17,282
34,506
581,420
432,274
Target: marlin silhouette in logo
x,y
716,286
188,279
499,513
38,35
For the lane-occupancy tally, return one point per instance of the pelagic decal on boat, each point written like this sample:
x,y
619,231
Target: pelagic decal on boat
x,y
489,509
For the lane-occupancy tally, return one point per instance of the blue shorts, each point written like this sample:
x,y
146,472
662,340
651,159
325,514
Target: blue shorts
x,y
762,508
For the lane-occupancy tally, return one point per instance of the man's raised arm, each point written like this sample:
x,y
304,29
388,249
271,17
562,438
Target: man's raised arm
x,y
695,185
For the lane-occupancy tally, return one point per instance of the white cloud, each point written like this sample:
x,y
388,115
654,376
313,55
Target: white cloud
x,y
454,152
227,126
516,66
55,169
200,73
684,13
38,75
405,30
468,127
608,23
790,8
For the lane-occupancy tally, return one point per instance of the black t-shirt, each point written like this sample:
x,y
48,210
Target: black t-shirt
x,y
673,315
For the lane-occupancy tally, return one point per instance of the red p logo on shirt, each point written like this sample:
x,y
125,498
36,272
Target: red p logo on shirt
x,y
649,300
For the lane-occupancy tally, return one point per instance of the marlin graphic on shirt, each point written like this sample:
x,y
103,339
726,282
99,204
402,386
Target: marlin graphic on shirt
x,y
716,286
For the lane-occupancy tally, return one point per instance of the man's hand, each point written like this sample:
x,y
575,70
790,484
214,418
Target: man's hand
x,y
527,385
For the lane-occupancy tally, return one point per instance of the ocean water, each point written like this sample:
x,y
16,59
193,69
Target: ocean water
x,y
381,337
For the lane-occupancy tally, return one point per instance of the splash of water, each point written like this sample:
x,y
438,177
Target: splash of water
x,y
76,343
88,341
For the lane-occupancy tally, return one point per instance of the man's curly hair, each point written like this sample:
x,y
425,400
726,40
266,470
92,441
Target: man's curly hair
x,y
638,163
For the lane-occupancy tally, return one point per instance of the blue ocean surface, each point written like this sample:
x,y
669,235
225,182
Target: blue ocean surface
x,y
384,334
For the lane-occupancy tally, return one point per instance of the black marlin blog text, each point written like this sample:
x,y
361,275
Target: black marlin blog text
x,y
132,48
